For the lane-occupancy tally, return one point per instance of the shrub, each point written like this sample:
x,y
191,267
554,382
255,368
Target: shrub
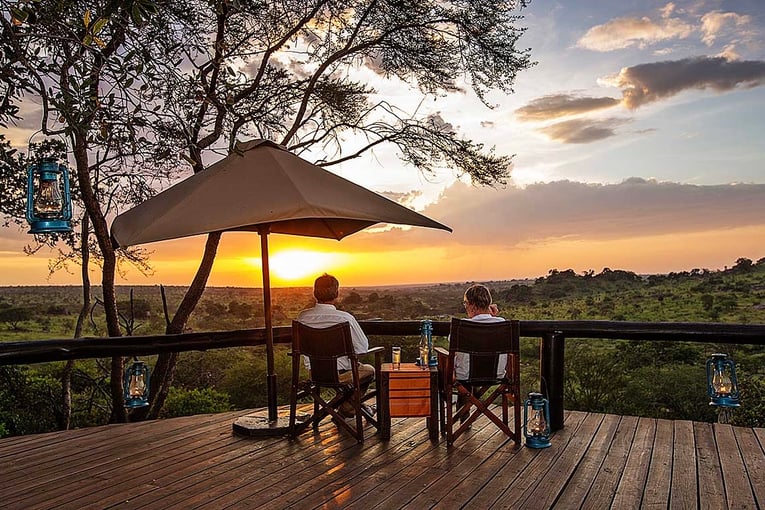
x,y
182,402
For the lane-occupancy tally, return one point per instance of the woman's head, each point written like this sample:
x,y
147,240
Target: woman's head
x,y
478,296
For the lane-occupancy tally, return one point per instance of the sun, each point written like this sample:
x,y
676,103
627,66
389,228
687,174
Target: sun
x,y
295,264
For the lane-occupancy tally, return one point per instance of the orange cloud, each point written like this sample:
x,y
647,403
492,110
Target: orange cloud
x,y
562,105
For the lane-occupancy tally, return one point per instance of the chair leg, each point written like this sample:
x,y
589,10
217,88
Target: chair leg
x,y
449,417
293,410
316,411
517,417
442,410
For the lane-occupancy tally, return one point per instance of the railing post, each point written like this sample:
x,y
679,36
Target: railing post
x,y
551,365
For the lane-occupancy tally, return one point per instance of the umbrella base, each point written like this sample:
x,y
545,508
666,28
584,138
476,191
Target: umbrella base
x,y
258,425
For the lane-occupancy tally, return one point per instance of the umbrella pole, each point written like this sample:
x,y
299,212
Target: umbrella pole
x,y
271,376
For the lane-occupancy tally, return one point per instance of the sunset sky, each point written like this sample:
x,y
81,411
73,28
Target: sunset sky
x,y
638,143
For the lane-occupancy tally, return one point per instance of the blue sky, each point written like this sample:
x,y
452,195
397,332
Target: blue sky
x,y
638,143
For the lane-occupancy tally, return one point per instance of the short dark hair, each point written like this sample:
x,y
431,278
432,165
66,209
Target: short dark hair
x,y
478,295
325,288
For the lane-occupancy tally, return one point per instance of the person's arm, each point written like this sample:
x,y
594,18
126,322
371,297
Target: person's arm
x,y
360,340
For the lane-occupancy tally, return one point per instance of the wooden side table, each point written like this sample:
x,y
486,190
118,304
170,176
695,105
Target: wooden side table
x,y
408,392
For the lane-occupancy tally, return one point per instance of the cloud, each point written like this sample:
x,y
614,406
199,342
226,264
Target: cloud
x,y
517,217
561,105
582,130
402,198
647,83
714,24
626,32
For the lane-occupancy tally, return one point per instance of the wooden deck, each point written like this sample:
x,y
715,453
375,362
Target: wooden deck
x,y
597,461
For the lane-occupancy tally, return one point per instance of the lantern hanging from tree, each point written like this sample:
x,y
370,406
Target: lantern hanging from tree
x,y
49,201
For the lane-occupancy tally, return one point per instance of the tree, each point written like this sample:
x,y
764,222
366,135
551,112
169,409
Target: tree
x,y
13,316
139,82
92,68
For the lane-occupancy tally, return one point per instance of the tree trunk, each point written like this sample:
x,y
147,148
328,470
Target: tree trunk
x,y
101,231
164,370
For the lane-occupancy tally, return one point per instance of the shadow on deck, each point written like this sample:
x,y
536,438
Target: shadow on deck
x,y
597,461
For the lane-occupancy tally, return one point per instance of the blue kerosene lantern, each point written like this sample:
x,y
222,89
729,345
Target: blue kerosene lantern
x,y
49,201
136,385
722,383
536,421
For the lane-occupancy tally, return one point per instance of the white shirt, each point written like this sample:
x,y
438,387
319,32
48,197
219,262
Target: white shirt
x,y
323,315
462,359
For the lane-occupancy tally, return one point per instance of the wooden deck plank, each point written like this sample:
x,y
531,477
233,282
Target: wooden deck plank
x,y
197,462
711,488
474,465
604,486
738,489
336,484
468,450
369,492
95,446
629,493
73,475
313,485
501,468
753,452
172,470
656,495
581,479
547,474
684,491
70,486
240,479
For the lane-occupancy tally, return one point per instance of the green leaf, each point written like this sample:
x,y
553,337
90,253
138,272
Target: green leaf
x,y
18,16
135,14
99,25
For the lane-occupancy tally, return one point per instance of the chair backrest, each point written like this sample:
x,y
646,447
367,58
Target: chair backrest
x,y
484,342
323,347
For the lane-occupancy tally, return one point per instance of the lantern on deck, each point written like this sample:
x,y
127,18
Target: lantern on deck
x,y
536,421
49,201
136,385
722,383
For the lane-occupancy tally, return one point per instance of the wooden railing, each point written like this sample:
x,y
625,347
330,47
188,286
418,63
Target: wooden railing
x,y
552,335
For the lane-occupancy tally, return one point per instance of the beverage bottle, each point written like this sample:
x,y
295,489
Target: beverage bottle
x,y
425,343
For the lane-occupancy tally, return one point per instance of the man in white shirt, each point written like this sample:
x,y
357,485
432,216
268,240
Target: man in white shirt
x,y
324,314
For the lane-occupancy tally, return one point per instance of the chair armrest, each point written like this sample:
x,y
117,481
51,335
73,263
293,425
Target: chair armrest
x,y
445,370
373,350
379,352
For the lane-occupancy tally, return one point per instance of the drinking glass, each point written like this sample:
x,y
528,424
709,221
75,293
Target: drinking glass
x,y
396,356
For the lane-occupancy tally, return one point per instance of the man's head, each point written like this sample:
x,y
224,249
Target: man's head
x,y
478,296
325,288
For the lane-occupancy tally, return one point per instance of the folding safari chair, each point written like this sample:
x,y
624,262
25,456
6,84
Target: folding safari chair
x,y
323,347
484,343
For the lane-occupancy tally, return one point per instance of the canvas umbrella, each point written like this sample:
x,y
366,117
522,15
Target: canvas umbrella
x,y
262,187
